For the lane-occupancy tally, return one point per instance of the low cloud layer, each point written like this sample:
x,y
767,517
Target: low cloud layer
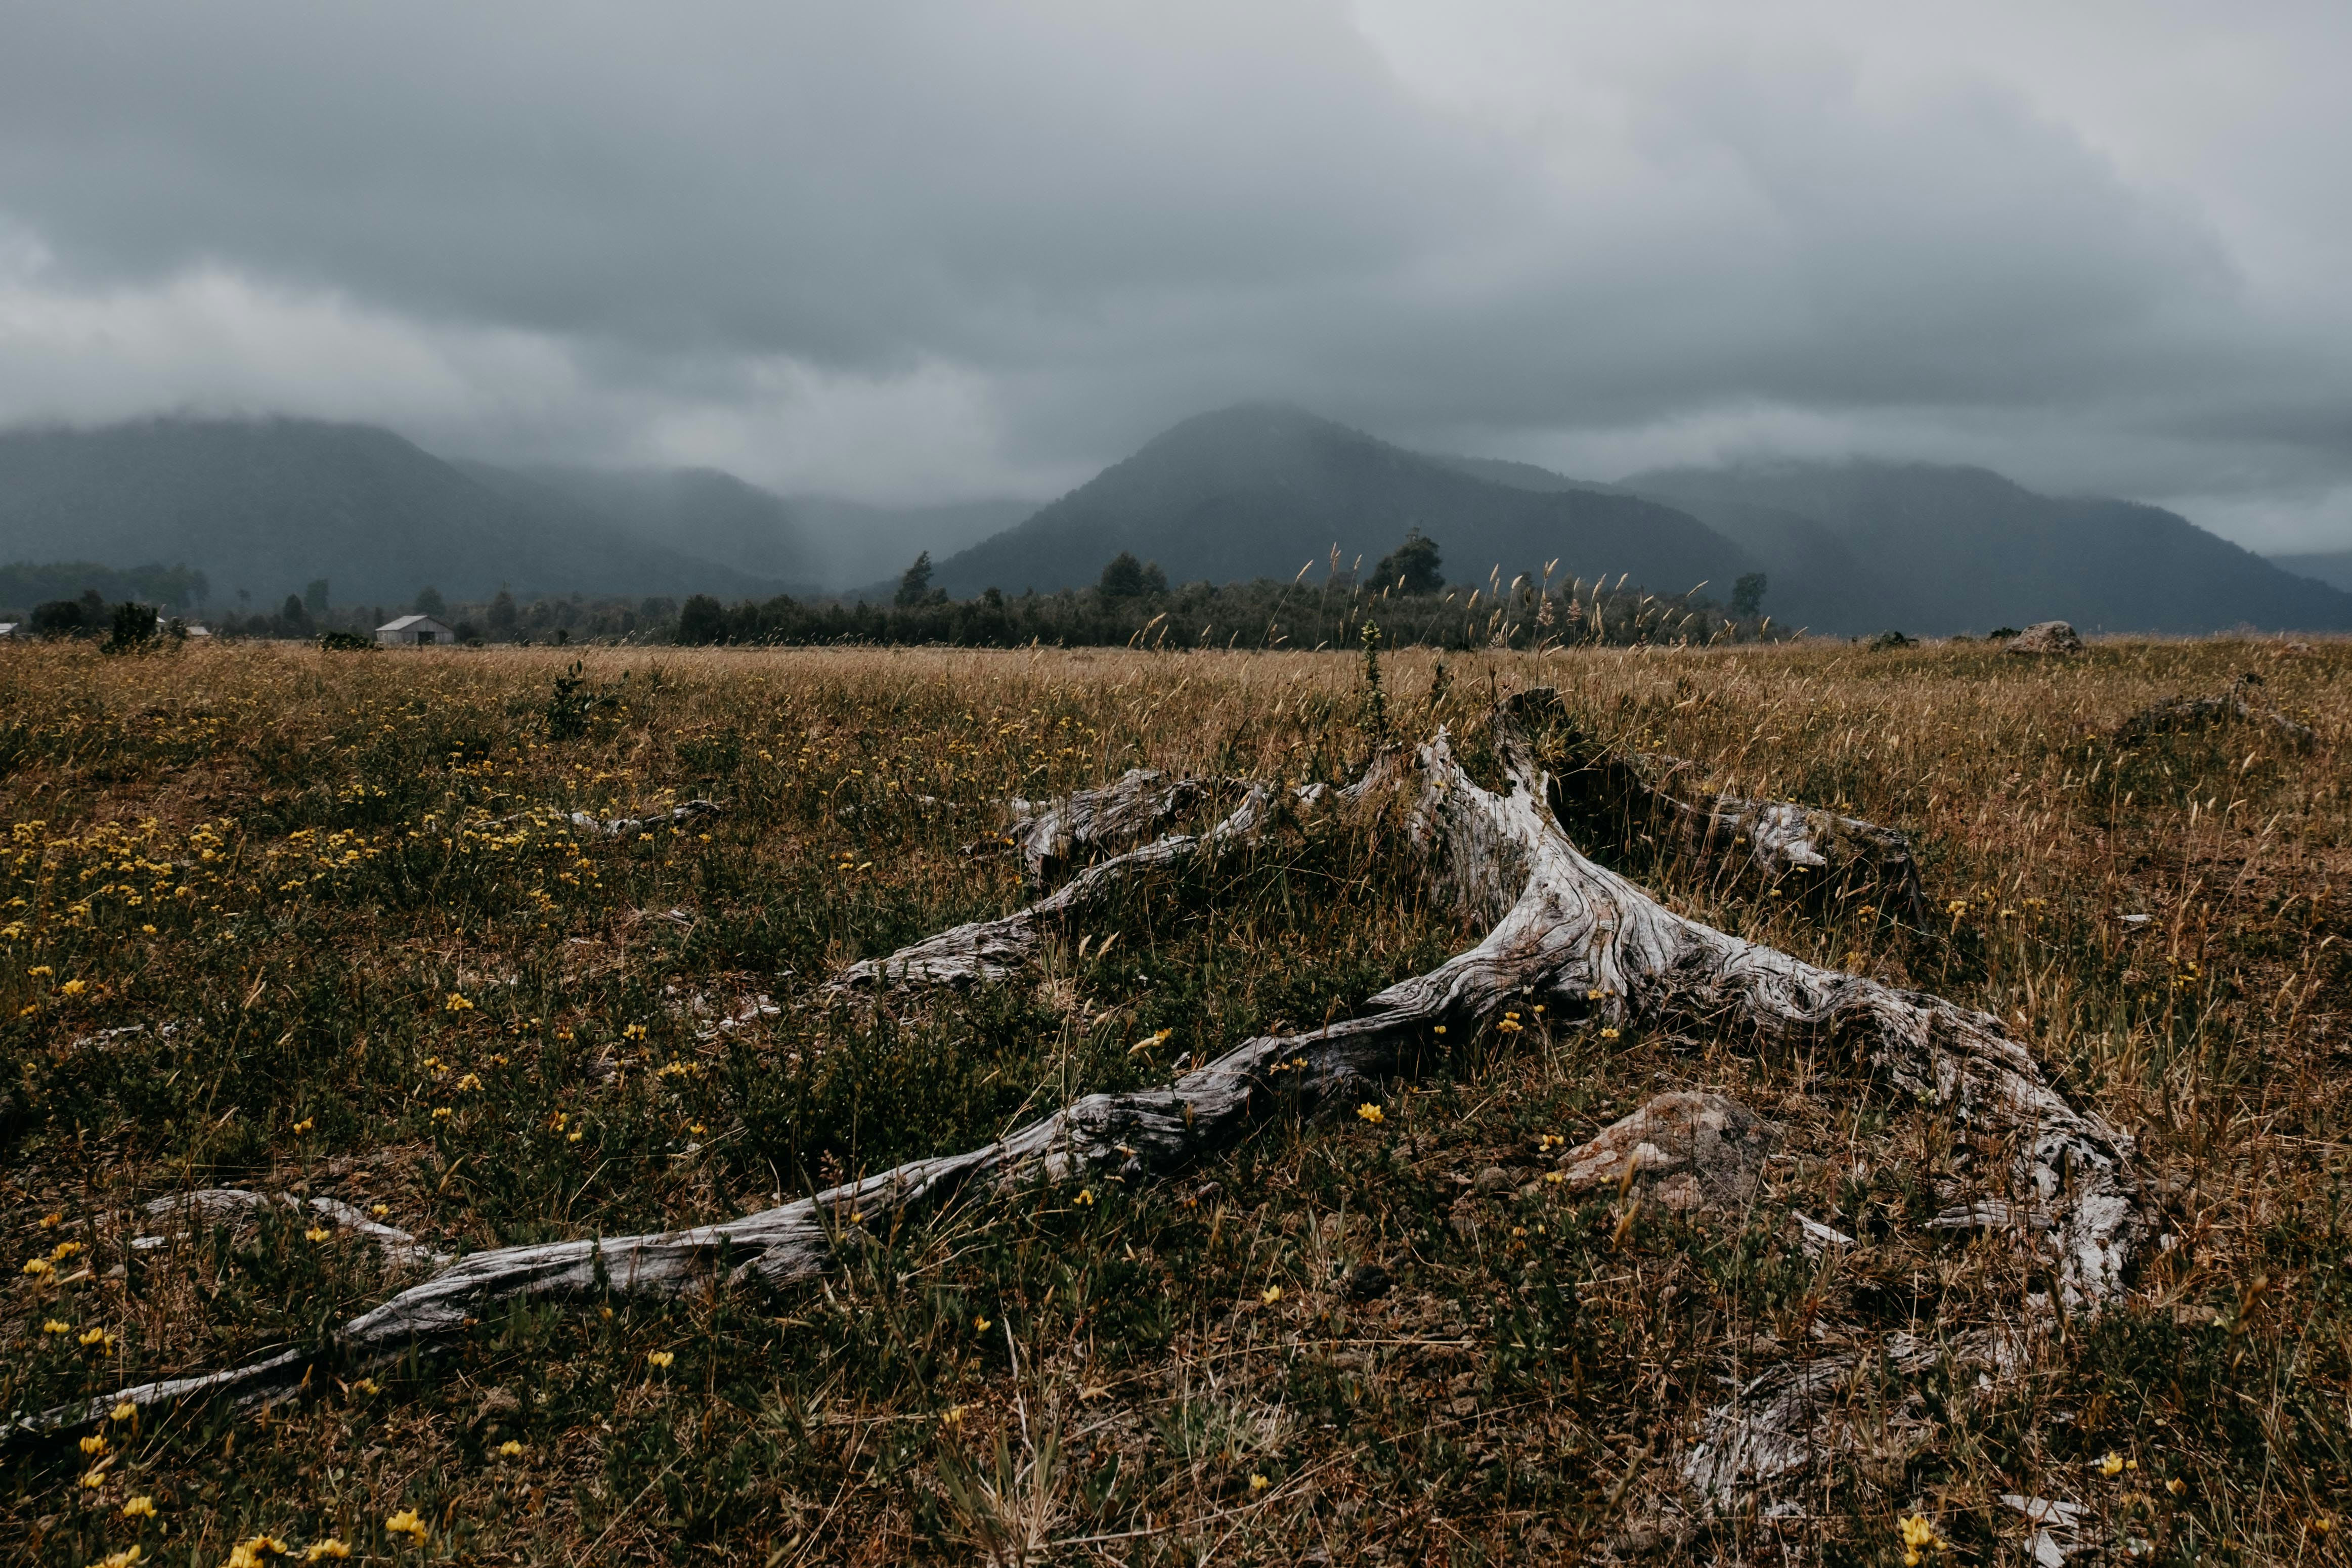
x,y
920,251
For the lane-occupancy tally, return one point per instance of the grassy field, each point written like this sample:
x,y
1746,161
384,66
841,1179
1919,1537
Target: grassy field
x,y
319,923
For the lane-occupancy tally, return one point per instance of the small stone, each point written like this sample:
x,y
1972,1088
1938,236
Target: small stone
x,y
1367,1282
1492,1182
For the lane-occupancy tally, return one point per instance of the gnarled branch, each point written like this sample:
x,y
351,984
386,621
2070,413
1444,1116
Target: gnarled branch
x,y
1655,798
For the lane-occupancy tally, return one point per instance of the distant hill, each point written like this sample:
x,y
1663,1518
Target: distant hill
x,y
267,505
25,583
1816,580
2332,567
704,512
811,543
861,543
1930,549
1260,491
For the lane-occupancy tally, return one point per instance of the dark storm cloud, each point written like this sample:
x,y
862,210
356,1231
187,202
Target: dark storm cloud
x,y
952,246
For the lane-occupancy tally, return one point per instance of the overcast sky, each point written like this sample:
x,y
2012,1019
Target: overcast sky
x,y
908,251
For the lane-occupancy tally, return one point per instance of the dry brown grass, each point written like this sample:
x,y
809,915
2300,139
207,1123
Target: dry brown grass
x,y
1520,1394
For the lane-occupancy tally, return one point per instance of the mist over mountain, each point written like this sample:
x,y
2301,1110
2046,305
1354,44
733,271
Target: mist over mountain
x,y
1932,549
267,505
1816,580
2333,567
706,514
863,543
1260,491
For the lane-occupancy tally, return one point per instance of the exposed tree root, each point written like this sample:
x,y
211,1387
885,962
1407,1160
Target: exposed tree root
x,y
1049,835
2176,715
1564,931
208,1206
985,951
1651,798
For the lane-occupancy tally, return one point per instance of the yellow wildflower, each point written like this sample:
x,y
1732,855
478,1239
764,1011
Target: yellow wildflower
x,y
2176,1485
511,1450
74,987
365,1385
405,1522
100,1340
305,1125
63,1250
318,1232
330,1547
123,1559
442,1113
1086,1197
1369,1112
379,1210
56,1326
141,1507
982,1324
95,1478
125,1410
39,1267
661,1358
1608,1034
1919,1536
2112,1464
94,1444
1272,1294
470,1081
457,1003
51,1221
1258,1483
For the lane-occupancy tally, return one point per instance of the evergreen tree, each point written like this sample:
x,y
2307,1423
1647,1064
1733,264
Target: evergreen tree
x,y
1127,578
701,621
915,586
1748,595
1411,567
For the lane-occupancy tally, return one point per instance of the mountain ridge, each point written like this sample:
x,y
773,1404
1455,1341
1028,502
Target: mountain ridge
x,y
1260,490
1960,548
267,505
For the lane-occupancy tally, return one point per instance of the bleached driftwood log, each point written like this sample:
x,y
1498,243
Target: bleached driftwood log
x,y
1563,930
1050,834
1659,798
986,952
212,1205
628,826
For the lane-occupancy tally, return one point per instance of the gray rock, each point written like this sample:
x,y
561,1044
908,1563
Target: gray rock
x,y
2045,637
1688,1152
